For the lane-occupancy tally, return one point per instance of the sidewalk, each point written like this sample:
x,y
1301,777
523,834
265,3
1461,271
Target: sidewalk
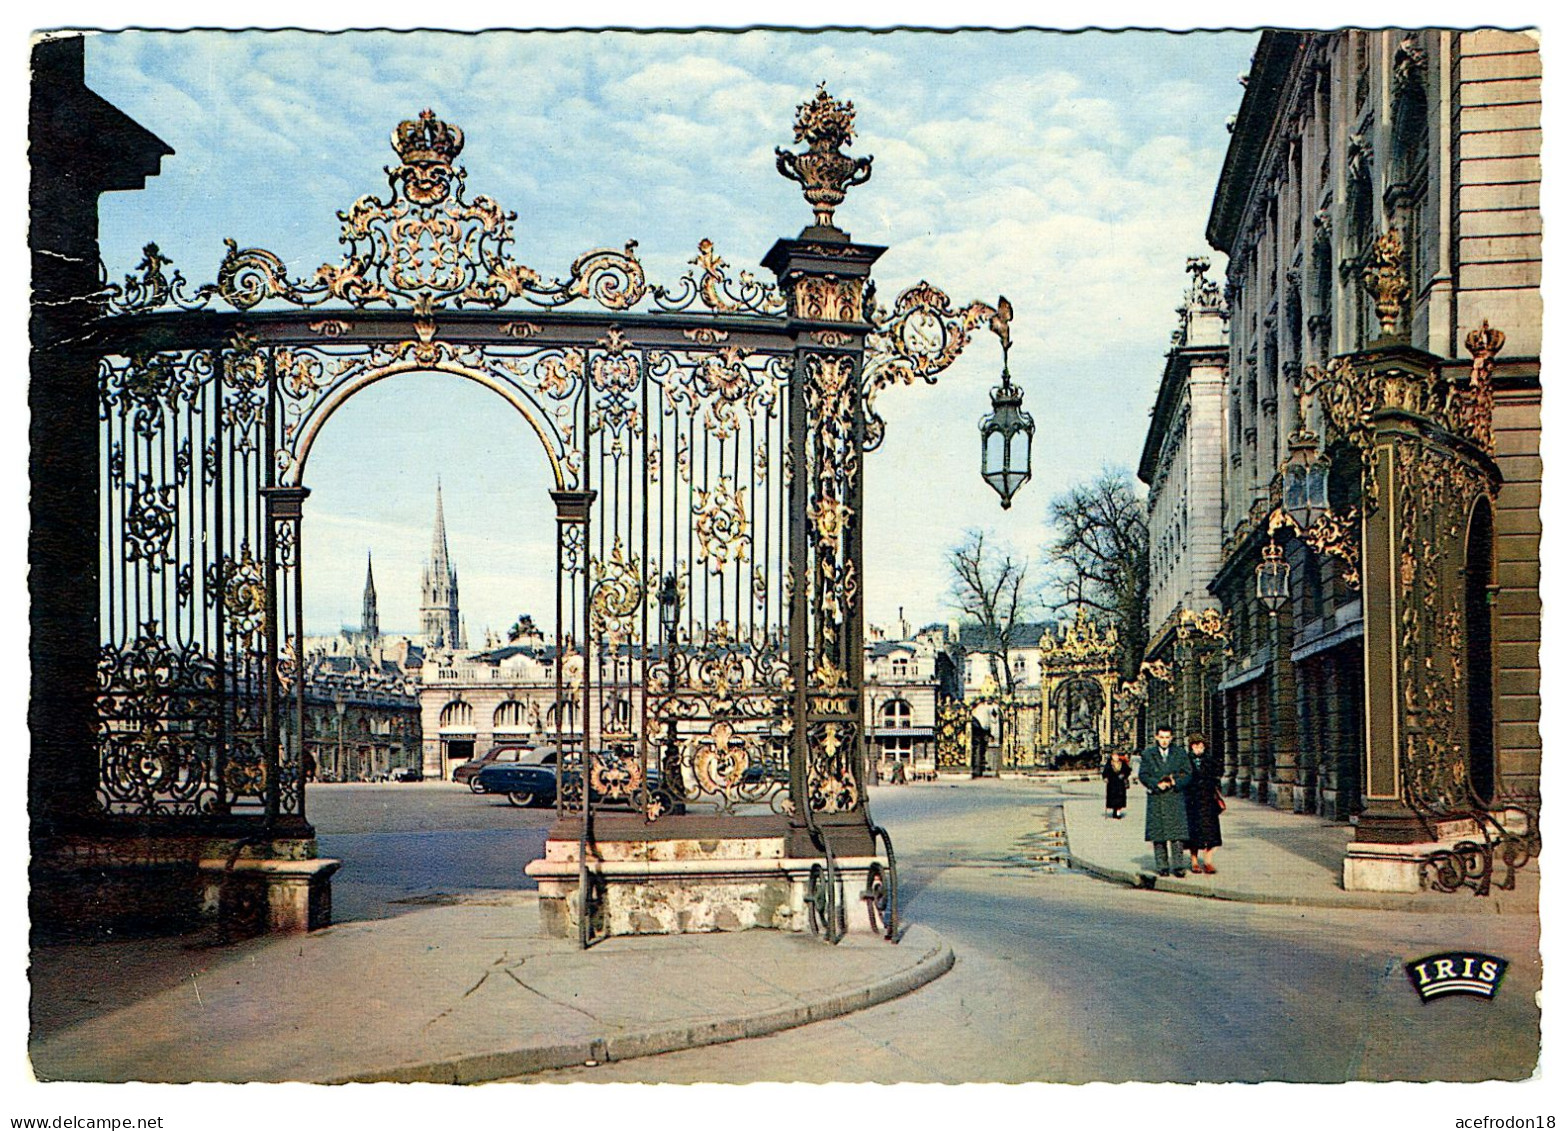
x,y
455,994
1267,857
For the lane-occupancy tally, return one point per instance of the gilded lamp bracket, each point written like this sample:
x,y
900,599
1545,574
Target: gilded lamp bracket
x,y
919,339
1336,535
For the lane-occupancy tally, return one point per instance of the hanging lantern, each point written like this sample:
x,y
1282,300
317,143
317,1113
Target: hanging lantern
x,y
1007,438
1272,579
1305,475
669,606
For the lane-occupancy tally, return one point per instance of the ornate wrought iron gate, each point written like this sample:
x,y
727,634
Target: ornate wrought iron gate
x,y
705,442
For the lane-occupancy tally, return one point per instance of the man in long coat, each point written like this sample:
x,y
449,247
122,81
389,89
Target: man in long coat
x,y
1166,771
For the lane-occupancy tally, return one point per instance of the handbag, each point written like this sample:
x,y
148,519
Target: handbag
x,y
1221,805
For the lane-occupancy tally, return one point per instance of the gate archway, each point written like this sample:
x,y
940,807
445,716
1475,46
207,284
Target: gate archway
x,y
706,441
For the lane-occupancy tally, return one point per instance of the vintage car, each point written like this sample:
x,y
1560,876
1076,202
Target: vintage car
x,y
500,753
537,781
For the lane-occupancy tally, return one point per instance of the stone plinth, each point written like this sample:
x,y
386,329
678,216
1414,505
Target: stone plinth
x,y
161,882
1385,867
269,896
686,885
1381,866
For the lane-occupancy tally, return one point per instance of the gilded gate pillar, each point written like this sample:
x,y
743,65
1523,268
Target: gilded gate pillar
x,y
824,277
1425,437
1423,480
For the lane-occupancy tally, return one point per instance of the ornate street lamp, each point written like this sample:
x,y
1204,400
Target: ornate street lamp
x,y
672,782
1305,475
1272,579
1006,434
669,609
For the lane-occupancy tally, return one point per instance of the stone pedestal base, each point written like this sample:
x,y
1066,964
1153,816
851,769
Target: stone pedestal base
x,y
1379,866
1385,867
689,886
269,896
104,886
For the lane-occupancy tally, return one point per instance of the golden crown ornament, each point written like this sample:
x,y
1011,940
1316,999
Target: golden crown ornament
x,y
428,148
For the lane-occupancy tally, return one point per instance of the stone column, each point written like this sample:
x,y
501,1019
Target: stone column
x,y
1283,708
80,147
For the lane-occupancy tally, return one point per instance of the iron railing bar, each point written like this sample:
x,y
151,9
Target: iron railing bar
x,y
216,554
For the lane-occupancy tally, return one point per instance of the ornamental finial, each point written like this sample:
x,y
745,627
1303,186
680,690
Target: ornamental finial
x,y
1484,343
1385,280
824,170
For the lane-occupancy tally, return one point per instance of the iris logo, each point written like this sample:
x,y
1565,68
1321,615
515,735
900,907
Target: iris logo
x,y
1456,972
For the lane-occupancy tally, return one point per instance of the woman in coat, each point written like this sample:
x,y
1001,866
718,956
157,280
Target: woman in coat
x,y
1116,772
1203,803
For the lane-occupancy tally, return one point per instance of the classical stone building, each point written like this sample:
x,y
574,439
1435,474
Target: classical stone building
x,y
361,717
1183,464
1379,205
473,700
906,680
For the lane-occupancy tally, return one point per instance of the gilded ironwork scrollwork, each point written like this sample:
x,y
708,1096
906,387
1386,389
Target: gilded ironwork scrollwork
x,y
918,340
829,398
617,596
953,736
423,243
721,524
717,293
832,785
723,711
1437,491
158,726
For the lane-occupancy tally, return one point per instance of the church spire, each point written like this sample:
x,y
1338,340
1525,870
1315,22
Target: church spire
x,y
370,618
441,621
438,552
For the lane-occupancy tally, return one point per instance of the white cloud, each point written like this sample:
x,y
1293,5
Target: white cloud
x,y
1038,166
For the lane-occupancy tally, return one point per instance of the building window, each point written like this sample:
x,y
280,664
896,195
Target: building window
x,y
897,714
456,714
510,715
617,714
898,748
900,666
1410,171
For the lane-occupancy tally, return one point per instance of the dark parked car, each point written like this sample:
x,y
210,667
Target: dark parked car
x,y
535,782
500,753
406,773
523,783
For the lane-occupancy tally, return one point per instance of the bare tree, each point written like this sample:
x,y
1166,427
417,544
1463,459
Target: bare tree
x,y
1100,557
989,586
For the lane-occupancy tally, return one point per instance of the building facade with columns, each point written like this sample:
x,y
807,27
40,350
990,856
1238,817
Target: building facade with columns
x,y
1379,205
1183,464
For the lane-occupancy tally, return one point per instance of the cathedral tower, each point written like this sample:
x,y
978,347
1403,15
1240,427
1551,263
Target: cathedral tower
x,y
370,618
441,623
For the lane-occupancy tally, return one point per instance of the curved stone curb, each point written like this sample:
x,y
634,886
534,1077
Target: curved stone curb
x,y
1344,901
937,958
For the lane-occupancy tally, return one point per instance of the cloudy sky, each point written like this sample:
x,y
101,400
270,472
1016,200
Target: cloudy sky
x,y
1071,172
